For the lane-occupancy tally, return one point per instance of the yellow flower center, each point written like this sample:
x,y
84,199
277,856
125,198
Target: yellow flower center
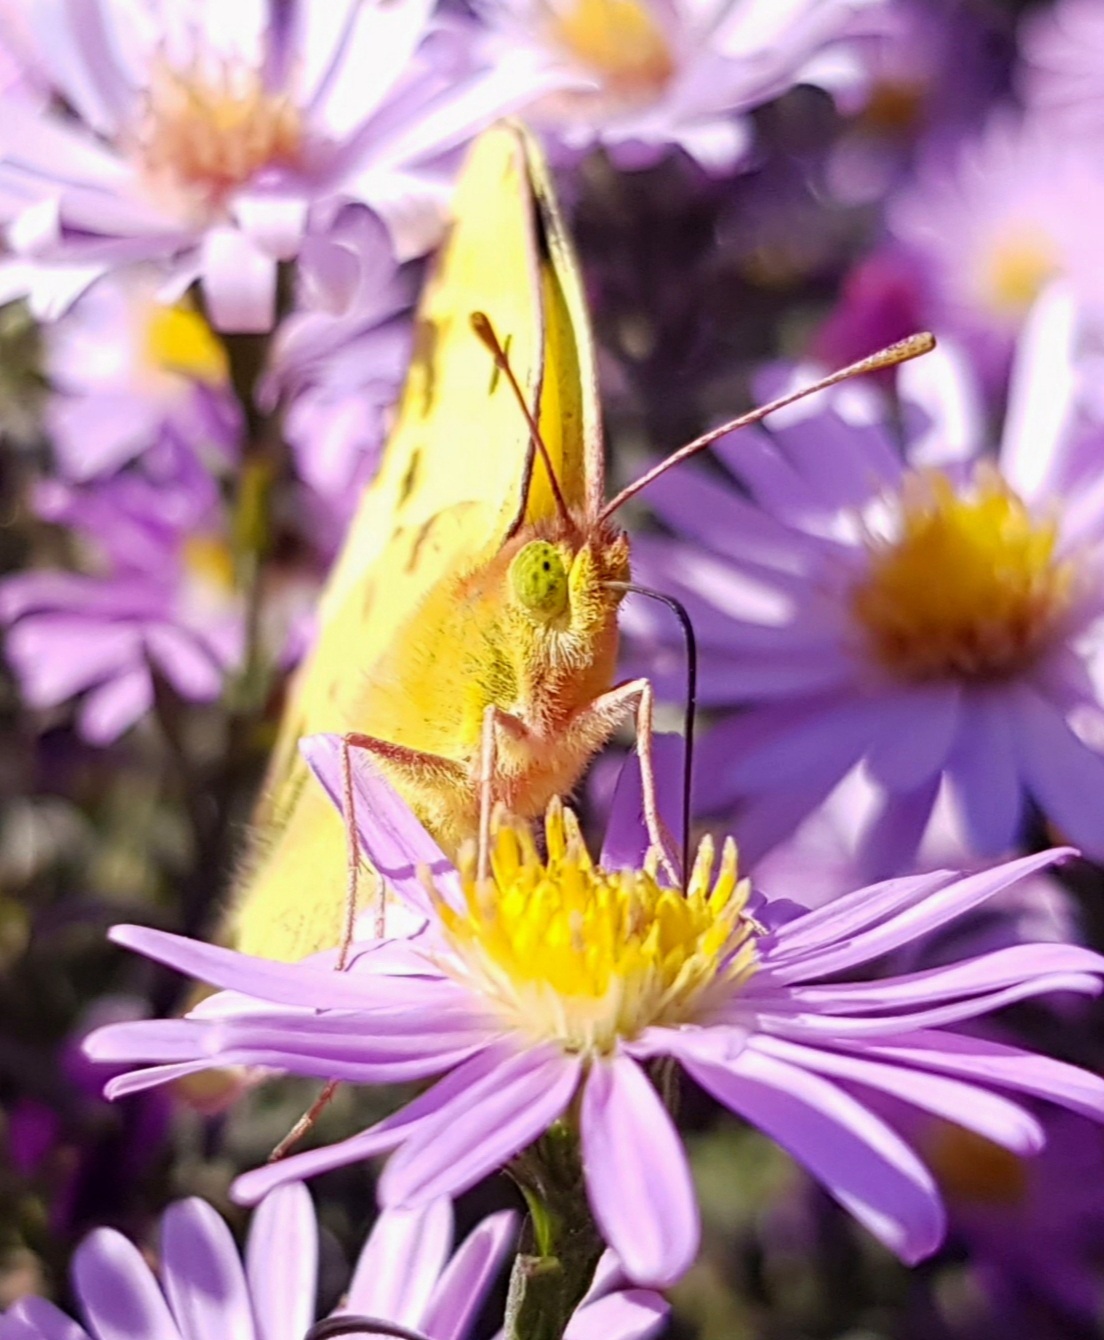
x,y
971,588
1016,270
202,135
209,564
619,41
974,1170
571,953
178,339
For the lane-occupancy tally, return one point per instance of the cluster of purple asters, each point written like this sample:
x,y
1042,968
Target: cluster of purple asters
x,y
217,217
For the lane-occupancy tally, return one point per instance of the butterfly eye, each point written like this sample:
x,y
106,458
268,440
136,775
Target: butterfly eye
x,y
539,579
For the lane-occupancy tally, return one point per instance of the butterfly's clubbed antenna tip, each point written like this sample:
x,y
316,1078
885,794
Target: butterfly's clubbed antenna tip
x,y
485,331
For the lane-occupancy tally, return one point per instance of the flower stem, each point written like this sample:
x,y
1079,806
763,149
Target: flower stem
x,y
560,1244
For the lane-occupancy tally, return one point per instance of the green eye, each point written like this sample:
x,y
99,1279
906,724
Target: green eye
x,y
539,579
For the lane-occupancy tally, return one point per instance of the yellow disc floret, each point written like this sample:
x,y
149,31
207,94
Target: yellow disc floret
x,y
571,953
620,41
212,128
971,587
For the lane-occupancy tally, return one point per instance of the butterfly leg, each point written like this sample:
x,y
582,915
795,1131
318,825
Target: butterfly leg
x,y
495,719
400,757
597,721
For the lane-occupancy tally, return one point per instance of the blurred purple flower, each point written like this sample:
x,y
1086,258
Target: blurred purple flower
x,y
655,73
931,72
407,1274
1033,1228
936,616
160,596
339,358
1062,79
553,991
125,368
205,133
996,219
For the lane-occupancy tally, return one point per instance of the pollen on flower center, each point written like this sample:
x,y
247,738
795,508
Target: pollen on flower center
x,y
203,134
619,41
582,956
970,588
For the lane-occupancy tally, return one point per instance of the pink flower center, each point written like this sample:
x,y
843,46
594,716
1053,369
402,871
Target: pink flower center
x,y
203,135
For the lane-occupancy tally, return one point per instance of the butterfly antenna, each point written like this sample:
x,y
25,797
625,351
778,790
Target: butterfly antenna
x,y
682,614
481,324
889,357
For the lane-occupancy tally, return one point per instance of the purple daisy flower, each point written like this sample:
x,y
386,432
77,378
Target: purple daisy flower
x,y
1033,1228
655,73
127,368
204,133
338,360
407,1274
163,596
931,615
996,219
553,988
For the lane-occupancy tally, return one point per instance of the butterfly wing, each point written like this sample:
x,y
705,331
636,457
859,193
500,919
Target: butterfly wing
x,y
457,476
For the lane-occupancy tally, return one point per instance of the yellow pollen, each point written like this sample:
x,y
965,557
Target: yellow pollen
x,y
972,587
209,562
1016,270
619,41
177,339
973,1170
581,956
204,135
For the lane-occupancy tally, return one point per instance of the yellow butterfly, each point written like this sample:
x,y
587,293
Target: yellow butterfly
x,y
483,569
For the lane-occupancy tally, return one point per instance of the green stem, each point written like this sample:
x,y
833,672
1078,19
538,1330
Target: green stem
x,y
560,1244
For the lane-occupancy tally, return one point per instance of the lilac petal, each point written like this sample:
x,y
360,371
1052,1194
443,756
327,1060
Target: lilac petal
x,y
626,843
1064,775
41,651
110,710
385,1135
995,1118
484,1126
915,734
818,1027
638,1179
32,1318
185,662
847,916
374,51
983,1061
393,838
118,1294
239,282
137,1081
462,1288
401,1263
1041,392
859,1160
920,918
281,1263
202,1273
629,1314
298,984
893,836
988,972
984,775
275,223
